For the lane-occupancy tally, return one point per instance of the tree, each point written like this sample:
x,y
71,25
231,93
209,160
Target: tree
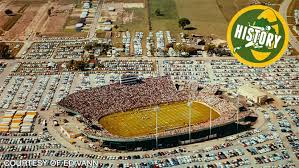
x,y
210,47
183,22
158,12
8,12
191,50
4,51
49,12
88,47
80,65
169,45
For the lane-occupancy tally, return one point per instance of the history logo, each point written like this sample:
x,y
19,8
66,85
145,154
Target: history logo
x,y
257,36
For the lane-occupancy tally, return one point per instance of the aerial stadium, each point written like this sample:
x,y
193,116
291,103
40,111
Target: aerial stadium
x,y
155,113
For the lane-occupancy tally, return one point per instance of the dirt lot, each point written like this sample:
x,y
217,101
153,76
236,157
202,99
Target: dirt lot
x,y
7,22
58,18
31,16
19,28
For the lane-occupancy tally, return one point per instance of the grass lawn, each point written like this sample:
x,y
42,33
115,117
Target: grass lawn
x,y
143,122
169,16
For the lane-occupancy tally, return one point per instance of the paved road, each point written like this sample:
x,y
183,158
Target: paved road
x,y
93,27
284,10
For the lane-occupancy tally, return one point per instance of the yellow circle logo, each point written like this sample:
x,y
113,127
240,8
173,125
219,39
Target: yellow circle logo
x,y
257,36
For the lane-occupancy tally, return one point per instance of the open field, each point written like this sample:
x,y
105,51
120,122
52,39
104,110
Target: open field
x,y
18,31
230,8
7,22
169,18
204,15
203,20
58,18
136,20
143,122
32,17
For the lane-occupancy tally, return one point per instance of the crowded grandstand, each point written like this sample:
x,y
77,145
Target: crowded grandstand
x,y
96,103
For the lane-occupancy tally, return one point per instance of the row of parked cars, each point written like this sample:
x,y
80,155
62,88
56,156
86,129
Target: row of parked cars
x,y
2,66
127,66
6,101
223,154
258,139
19,156
70,50
30,93
29,147
17,146
254,150
35,68
26,140
40,50
138,43
24,92
294,115
186,71
283,155
283,122
53,84
294,142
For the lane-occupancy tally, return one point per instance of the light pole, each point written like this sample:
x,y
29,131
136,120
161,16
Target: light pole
x,y
157,109
210,121
237,112
190,115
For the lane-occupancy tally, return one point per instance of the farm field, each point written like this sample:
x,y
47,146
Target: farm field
x,y
230,8
203,20
169,16
143,122
27,22
204,15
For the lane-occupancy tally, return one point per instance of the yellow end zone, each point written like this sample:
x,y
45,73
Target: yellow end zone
x,y
143,121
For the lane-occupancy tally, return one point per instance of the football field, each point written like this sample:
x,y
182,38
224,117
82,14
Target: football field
x,y
143,121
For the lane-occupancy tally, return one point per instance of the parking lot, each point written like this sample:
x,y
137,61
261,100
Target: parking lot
x,y
40,84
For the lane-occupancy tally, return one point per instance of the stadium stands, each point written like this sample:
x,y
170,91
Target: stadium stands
x,y
98,102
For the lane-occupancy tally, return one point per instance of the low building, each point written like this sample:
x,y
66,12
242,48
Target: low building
x,y
111,9
69,132
253,93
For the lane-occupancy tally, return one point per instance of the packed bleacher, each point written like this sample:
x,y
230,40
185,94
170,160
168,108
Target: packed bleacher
x,y
98,102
